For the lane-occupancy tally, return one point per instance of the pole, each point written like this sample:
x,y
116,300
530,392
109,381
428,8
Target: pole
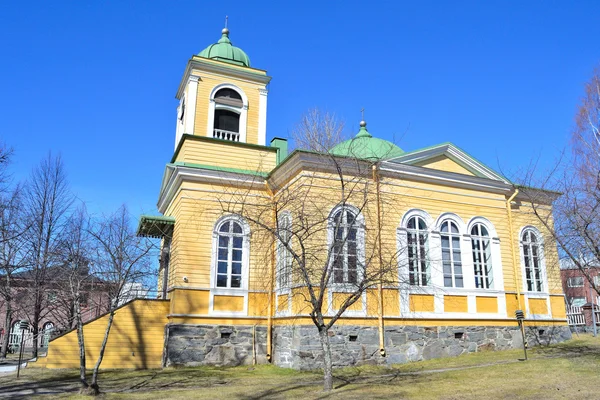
x,y
593,311
20,353
520,315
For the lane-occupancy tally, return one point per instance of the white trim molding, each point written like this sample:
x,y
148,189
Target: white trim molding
x,y
262,116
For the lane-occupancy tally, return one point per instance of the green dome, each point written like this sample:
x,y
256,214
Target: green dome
x,y
365,146
224,51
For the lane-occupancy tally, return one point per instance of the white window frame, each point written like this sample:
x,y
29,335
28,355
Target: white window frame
x,y
402,243
213,106
496,259
572,278
360,246
284,257
452,249
541,259
245,252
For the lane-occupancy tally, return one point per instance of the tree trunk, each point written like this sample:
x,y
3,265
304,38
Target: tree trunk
x,y
94,389
7,327
36,321
327,367
81,342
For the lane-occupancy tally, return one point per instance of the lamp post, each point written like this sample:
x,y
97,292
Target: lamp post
x,y
520,317
23,325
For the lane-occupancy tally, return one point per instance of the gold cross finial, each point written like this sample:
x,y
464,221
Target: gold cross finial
x,y
362,111
226,18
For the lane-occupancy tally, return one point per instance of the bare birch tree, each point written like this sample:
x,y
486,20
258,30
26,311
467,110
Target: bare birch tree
x,y
574,186
319,249
47,201
120,258
12,257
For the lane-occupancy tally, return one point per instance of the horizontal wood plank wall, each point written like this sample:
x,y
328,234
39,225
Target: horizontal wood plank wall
x,y
136,339
226,155
205,87
443,163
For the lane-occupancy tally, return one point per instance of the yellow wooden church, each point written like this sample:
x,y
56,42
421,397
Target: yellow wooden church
x,y
252,235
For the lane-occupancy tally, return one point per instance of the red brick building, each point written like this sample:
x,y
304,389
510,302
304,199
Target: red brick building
x,y
577,287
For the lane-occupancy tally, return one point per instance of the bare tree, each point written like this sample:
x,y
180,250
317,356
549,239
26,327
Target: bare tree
x,y
318,250
573,184
73,279
12,257
120,258
47,201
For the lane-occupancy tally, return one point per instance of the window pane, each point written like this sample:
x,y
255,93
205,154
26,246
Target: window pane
x,y
223,241
352,234
447,281
411,223
453,227
236,281
445,242
236,255
422,225
222,267
223,254
222,280
237,242
236,227
458,281
224,227
236,268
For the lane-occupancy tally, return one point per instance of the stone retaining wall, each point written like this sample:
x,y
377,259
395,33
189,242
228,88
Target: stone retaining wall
x,y
298,346
219,345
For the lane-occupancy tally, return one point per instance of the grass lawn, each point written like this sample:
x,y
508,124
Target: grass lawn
x,y
564,371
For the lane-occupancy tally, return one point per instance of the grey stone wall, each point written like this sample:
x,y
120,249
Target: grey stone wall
x,y
299,347
221,345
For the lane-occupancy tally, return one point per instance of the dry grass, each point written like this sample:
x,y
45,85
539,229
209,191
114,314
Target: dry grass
x,y
565,371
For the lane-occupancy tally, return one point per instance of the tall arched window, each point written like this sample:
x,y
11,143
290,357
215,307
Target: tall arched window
x,y
345,248
417,251
451,257
230,254
284,256
532,258
228,107
482,256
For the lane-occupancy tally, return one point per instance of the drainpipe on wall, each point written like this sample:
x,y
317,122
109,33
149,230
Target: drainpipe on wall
x,y
271,286
512,247
380,285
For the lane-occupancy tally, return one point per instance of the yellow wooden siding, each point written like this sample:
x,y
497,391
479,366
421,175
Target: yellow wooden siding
x,y
136,339
557,303
226,155
487,304
189,301
421,303
444,163
258,304
455,304
283,303
228,303
205,87
512,304
338,299
538,306
391,302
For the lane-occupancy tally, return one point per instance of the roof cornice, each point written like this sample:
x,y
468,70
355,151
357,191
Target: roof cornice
x,y
175,175
221,68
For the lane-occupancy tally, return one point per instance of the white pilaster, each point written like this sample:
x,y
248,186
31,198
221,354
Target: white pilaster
x,y
262,116
190,108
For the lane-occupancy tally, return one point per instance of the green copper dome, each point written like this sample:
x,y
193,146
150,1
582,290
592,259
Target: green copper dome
x,y
224,51
365,146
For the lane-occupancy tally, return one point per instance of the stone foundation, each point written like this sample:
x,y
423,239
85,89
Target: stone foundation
x,y
219,345
298,346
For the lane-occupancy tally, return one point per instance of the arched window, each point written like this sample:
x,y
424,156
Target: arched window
x,y
482,256
532,258
284,256
228,107
418,272
230,258
451,257
347,238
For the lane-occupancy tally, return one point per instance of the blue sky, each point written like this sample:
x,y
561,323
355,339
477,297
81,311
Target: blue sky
x,y
95,80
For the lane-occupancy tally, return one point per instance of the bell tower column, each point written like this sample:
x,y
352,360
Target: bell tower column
x,y
262,116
